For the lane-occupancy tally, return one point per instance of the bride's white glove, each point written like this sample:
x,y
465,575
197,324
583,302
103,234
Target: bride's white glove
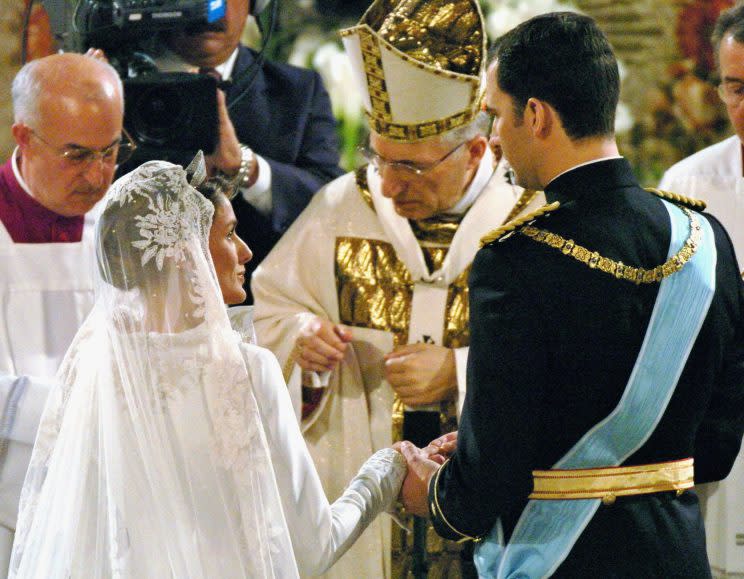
x,y
376,487
321,533
372,491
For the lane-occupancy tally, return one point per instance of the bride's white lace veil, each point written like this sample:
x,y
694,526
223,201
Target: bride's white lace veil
x,y
150,460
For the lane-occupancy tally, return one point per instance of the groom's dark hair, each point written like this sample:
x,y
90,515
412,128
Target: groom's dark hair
x,y
564,59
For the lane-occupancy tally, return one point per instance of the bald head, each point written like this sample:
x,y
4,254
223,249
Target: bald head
x,y
64,105
66,79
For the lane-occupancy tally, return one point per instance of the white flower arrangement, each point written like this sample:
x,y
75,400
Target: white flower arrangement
x,y
335,67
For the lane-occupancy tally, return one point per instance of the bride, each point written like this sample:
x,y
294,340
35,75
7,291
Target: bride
x,y
154,455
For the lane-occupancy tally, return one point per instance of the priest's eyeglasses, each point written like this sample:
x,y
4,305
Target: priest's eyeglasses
x,y
116,153
417,169
731,92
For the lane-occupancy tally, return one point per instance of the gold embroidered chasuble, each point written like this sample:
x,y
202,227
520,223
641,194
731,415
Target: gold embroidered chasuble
x,y
375,290
346,259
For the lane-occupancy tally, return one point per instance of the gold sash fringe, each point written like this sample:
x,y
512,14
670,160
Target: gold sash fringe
x,y
611,482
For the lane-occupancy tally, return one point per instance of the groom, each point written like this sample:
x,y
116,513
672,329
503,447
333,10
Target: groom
x,y
560,307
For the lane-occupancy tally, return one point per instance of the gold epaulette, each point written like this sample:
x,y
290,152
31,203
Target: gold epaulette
x,y
695,204
524,199
515,224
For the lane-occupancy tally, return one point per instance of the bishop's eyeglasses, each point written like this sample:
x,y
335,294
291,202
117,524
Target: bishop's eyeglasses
x,y
417,169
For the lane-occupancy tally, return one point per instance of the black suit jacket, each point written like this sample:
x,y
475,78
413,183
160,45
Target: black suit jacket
x,y
552,346
285,118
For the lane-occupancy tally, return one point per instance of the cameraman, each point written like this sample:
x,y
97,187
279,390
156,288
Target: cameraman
x,y
279,140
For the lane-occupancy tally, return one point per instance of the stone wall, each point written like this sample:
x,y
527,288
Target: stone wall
x,y
39,44
10,24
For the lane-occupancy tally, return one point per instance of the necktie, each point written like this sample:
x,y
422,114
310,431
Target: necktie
x,y
211,71
214,73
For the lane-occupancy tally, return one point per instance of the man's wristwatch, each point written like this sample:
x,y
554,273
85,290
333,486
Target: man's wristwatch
x,y
247,162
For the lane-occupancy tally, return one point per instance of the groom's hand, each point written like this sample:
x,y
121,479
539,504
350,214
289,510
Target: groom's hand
x,y
415,491
440,449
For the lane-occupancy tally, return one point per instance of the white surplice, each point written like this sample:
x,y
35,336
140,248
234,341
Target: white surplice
x,y
715,176
46,291
298,280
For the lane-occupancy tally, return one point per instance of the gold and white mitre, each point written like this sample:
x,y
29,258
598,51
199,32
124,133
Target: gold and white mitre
x,y
419,65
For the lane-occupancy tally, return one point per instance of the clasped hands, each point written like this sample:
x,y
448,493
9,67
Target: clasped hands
x,y
423,464
420,374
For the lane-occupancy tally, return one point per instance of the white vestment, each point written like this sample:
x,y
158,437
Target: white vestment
x,y
46,291
343,235
715,176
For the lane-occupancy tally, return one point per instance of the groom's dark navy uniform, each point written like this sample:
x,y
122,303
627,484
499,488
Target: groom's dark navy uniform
x,y
552,346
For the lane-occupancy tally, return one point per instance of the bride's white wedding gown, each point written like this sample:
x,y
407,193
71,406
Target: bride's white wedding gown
x,y
170,448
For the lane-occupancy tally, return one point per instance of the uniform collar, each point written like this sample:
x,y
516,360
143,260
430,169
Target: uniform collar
x,y
591,178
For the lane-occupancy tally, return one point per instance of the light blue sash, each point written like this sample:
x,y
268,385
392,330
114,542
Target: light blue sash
x,y
548,529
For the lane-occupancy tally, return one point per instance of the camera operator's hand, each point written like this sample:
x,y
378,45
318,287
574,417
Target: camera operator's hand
x,y
96,53
226,156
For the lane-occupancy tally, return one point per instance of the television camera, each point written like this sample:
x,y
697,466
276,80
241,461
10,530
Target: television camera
x,y
169,115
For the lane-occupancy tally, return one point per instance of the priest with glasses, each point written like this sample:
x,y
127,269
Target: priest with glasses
x,y
68,114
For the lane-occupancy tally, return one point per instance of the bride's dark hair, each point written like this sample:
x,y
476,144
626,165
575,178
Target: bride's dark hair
x,y
117,226
217,189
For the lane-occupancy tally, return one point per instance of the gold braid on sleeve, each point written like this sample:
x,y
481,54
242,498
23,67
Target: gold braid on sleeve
x,y
524,200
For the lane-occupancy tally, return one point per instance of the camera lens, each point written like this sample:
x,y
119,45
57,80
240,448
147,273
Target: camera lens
x,y
159,113
171,113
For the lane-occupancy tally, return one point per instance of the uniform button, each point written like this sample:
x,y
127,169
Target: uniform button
x,y
609,499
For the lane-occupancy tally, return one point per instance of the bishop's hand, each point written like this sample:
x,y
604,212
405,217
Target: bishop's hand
x,y
321,345
422,374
